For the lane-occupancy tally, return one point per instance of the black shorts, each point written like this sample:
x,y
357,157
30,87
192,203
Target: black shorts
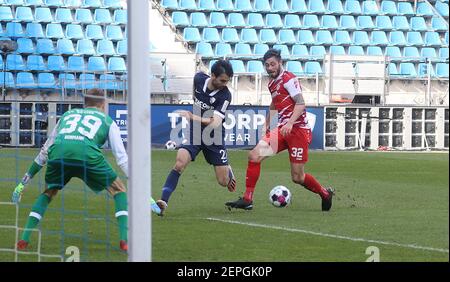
x,y
215,155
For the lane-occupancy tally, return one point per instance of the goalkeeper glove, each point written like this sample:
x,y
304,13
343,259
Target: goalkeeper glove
x,y
17,194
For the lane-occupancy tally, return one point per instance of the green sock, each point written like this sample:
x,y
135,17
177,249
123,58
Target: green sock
x,y
120,200
36,214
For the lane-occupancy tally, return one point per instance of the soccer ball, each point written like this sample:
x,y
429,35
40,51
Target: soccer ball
x,y
171,145
280,196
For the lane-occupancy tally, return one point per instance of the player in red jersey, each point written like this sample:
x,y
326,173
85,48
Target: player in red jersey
x,y
292,133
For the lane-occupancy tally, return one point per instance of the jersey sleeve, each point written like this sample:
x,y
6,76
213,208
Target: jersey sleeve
x,y
117,147
222,105
293,87
42,157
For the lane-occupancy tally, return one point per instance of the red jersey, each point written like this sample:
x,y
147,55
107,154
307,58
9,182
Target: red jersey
x,y
282,89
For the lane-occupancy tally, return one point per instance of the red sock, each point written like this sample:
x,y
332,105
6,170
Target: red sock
x,y
312,185
253,171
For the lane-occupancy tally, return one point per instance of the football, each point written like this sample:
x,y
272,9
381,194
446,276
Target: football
x,y
280,196
171,145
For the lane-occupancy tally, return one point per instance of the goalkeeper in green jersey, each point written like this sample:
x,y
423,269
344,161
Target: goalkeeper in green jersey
x,y
73,149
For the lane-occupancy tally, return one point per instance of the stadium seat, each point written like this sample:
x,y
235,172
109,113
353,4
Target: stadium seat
x,y
7,79
388,8
329,22
405,8
223,50
6,14
36,63
352,7
91,4
260,49
418,24
198,19
255,20
442,70
67,81
311,22
15,2
45,46
43,15
97,64
83,16
347,22
299,50
65,47
243,50
206,5
274,21
188,5
446,38
76,64
267,36
407,70
238,66
243,6
365,23
122,48
324,37
361,38
94,32
374,51
120,17
14,30
109,82
442,8
414,38
211,35
306,37
438,24
53,3
370,7
337,50
379,38
443,54
292,21
397,38
249,35
117,64
25,80
295,67
298,7
112,4
204,49
317,51
225,5
394,53
85,47
383,23
24,14
230,35
236,20
313,68
432,39
114,33
34,2
87,81
56,64
287,36
46,81
280,6
25,46
170,4
424,9
356,50
342,37
15,62
411,53
74,32
72,3
335,7
262,5
102,16
392,69
217,19
428,53
400,23
316,7
54,31
284,50
423,69
63,15
255,67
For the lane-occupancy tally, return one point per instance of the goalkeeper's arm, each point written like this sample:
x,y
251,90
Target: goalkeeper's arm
x,y
117,147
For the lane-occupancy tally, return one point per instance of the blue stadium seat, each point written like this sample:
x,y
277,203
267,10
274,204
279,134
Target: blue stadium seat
x,y
6,14
411,54
361,38
313,68
379,38
15,62
299,50
370,7
45,46
401,23
74,32
230,35
329,22
274,21
262,5
97,64
14,29
122,48
356,50
243,50
383,23
280,6
243,6
217,19
335,7
25,80
388,8
249,35
63,15
67,81
25,46
236,20
238,66
114,33
260,49
424,69
446,38
54,31
225,5
394,53
438,24
337,50
311,22
85,47
316,7
392,69
295,67
180,19
443,54
255,67
365,23
211,35
105,48
15,2
223,49
87,81
170,4
397,38
109,82
255,20
324,37
94,32
287,36
298,7
83,16
56,64
33,2
46,80
428,53
65,47
120,17
306,37
424,9
188,5
442,8
352,7
342,37
432,39
317,51
206,5
24,14
198,19
117,64
267,36
76,64
72,3
347,22
374,51
407,70
414,38
204,49
284,50
7,79
102,16
442,70
43,15
112,4
405,8
91,4
53,3
292,21
418,24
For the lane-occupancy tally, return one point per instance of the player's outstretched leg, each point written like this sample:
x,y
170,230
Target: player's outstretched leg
x,y
117,190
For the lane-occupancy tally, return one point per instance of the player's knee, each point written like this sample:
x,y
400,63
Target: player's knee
x,y
223,181
180,165
51,193
253,156
298,178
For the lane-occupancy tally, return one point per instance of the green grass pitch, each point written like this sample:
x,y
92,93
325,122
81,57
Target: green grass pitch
x,y
397,202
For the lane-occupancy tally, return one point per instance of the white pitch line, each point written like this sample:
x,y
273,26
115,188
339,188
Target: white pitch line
x,y
411,246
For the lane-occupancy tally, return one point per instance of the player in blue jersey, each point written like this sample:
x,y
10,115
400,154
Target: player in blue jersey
x,y
211,100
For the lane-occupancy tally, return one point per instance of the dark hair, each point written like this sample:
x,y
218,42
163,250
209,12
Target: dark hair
x,y
272,53
94,97
222,66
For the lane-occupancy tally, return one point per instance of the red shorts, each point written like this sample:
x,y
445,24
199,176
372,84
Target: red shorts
x,y
297,143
